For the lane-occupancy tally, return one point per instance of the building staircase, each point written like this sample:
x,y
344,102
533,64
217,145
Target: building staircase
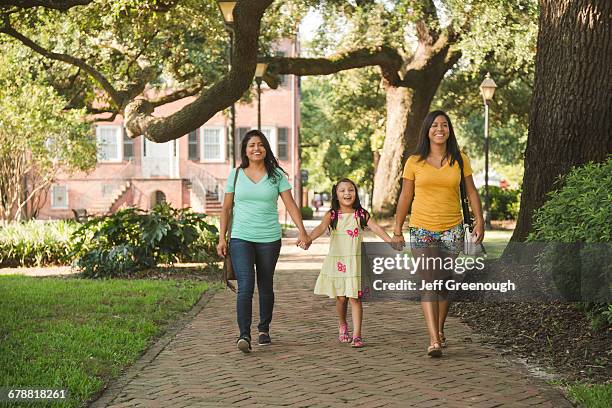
x,y
104,205
206,191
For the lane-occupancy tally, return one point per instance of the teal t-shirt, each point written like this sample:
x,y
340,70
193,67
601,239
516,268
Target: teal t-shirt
x,y
255,206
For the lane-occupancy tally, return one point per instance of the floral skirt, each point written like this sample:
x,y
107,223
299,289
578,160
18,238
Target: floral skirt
x,y
450,240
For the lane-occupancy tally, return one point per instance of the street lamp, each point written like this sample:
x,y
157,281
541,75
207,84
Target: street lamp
x,y
227,11
260,71
487,89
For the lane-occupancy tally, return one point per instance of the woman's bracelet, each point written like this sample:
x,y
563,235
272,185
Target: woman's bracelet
x,y
397,235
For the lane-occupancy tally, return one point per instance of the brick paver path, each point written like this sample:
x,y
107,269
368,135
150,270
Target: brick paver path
x,y
306,366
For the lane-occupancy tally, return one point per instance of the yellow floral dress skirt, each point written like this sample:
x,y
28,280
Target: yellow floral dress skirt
x,y
341,271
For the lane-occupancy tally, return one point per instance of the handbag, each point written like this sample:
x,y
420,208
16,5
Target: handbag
x,y
469,245
228,269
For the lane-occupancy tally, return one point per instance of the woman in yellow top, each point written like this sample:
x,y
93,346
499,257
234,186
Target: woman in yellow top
x,y
431,186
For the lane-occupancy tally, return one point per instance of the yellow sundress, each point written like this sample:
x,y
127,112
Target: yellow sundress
x,y
341,271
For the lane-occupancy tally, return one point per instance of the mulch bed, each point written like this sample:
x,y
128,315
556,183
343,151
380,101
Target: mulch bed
x,y
551,334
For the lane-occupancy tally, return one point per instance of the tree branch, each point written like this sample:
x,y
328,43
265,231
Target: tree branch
x,y
61,5
177,95
138,113
115,95
387,58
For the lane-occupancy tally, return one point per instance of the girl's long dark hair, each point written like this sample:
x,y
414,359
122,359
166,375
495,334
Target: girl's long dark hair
x,y
452,147
361,212
270,161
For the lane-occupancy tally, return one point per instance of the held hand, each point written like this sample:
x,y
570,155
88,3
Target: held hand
x,y
397,242
304,241
222,247
478,232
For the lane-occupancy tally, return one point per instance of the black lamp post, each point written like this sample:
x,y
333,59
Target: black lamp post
x,y
227,11
487,89
259,73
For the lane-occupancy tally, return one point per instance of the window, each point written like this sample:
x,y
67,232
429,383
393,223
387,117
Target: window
x,y
283,144
282,79
59,196
108,139
213,144
241,132
128,147
270,134
194,148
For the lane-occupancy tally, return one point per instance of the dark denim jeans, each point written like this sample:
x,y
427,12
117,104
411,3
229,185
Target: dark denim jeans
x,y
246,257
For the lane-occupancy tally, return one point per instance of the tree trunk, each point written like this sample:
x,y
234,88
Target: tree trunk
x,y
570,122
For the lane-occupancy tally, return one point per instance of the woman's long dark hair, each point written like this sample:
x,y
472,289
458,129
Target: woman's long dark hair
x,y
361,212
270,161
452,147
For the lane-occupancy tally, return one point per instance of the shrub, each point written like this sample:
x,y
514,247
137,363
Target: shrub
x,y
504,203
576,222
579,211
36,243
307,213
131,240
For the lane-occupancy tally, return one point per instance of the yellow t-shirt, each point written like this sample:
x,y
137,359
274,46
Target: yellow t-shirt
x,y
437,199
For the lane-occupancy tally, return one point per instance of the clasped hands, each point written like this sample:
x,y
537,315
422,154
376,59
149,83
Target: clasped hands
x,y
303,241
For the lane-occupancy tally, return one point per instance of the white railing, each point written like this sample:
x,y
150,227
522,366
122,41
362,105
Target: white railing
x,y
204,184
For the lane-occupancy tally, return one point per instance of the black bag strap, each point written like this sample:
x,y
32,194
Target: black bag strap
x,y
464,201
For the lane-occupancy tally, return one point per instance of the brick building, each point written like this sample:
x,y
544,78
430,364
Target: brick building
x,y
188,172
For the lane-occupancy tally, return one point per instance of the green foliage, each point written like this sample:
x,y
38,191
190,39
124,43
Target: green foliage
x,y
502,41
132,240
579,211
307,213
576,222
36,243
343,124
37,136
504,202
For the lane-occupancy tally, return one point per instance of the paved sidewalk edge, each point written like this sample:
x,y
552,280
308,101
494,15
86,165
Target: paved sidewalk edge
x,y
107,395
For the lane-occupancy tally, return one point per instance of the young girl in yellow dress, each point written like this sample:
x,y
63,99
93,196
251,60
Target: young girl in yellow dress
x,y
340,276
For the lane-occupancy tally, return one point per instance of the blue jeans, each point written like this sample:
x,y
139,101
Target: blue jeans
x,y
246,257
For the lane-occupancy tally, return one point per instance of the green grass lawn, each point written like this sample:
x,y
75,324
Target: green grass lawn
x,y
591,395
78,334
495,242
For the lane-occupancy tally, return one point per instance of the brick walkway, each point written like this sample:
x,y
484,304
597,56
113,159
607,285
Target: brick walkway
x,y
198,364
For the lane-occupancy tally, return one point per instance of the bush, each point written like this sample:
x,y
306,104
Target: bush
x,y
576,222
307,213
579,211
504,203
132,240
36,243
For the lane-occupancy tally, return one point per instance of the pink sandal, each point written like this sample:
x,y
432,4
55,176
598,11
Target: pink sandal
x,y
343,335
357,342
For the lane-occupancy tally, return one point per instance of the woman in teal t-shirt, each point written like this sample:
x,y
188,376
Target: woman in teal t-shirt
x,y
256,233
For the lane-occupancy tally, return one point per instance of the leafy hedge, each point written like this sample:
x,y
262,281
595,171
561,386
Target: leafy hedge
x,y
36,243
131,240
115,245
576,222
307,213
579,211
504,202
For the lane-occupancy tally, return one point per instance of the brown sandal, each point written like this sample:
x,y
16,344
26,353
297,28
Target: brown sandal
x,y
435,350
442,339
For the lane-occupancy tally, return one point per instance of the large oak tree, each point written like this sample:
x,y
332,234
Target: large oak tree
x,y
571,112
406,39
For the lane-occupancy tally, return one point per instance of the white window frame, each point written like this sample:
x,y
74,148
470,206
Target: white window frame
x,y
222,144
119,139
272,139
53,197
